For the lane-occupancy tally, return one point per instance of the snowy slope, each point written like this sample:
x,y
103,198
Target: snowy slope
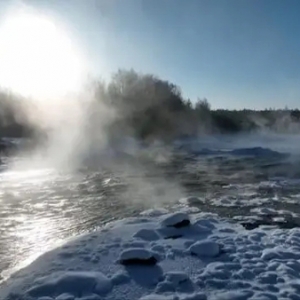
x,y
161,256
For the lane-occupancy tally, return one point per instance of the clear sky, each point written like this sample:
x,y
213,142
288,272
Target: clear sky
x,y
236,53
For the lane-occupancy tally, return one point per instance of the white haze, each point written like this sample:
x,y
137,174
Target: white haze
x,y
74,123
76,129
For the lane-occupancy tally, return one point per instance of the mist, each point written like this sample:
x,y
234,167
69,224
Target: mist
x,y
126,124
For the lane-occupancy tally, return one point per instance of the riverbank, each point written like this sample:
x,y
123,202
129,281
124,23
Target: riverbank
x,y
166,256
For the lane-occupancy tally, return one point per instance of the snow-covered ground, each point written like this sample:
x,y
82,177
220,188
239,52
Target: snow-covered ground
x,y
166,256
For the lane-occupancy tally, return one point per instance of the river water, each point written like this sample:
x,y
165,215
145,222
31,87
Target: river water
x,y
41,207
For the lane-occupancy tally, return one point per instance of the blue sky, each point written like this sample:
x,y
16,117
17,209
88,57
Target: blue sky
x,y
236,53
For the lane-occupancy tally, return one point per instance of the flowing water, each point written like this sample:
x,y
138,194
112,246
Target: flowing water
x,y
42,207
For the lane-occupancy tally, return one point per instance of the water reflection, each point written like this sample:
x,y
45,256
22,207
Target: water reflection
x,y
41,208
32,237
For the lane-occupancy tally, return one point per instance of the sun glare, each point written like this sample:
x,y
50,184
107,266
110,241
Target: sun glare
x,y
37,58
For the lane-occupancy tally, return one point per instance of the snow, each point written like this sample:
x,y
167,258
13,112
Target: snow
x,y
65,296
205,248
159,297
154,212
147,234
210,259
66,283
137,255
176,277
192,200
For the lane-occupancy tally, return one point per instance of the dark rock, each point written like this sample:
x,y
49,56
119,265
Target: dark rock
x,y
183,223
138,261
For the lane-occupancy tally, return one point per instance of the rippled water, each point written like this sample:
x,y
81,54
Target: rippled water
x,y
41,207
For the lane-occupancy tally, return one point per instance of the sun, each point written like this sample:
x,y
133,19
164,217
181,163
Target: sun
x,y
37,58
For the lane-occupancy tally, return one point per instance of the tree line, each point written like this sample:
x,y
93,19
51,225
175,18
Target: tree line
x,y
148,108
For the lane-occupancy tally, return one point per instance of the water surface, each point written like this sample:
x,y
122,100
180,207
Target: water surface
x,y
42,207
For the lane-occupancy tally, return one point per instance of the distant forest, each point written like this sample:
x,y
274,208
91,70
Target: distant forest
x,y
148,108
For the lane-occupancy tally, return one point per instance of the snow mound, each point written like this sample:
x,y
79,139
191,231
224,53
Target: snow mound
x,y
176,220
139,256
120,278
159,297
197,296
91,297
176,277
65,296
147,234
192,201
205,248
154,212
72,283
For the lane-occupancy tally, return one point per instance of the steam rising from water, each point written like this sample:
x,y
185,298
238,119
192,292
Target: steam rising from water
x,y
40,61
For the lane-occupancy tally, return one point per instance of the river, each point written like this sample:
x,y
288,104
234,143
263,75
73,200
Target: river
x,y
41,207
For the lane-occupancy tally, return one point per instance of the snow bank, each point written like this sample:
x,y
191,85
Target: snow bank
x,y
208,259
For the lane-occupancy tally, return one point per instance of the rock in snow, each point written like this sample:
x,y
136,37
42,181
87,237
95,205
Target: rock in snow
x,y
140,256
176,220
205,248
